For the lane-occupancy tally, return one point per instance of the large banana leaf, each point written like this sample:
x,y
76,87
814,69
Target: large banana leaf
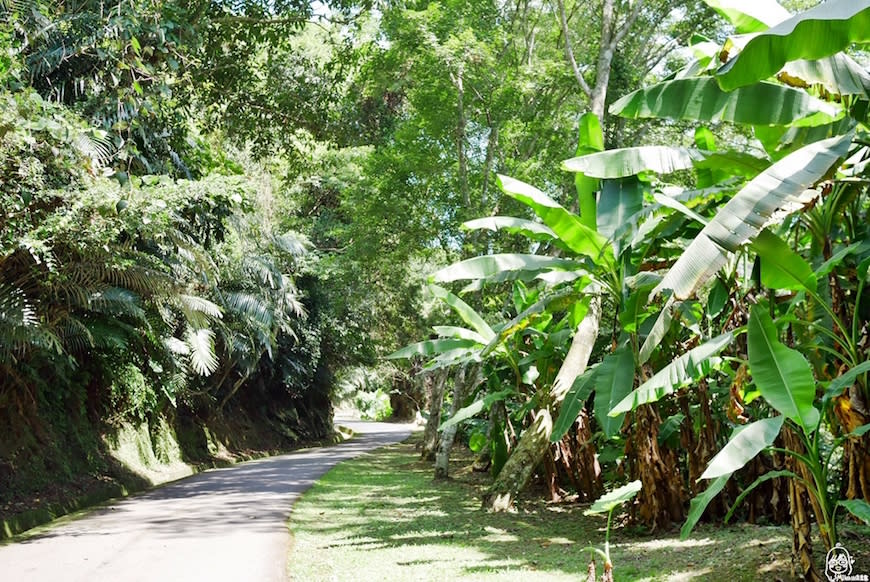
x,y
682,370
700,502
620,200
591,139
528,228
487,266
432,347
573,402
614,380
701,99
779,141
839,75
450,331
781,267
568,227
750,15
819,32
783,375
857,507
746,442
840,383
475,407
768,198
630,161
468,315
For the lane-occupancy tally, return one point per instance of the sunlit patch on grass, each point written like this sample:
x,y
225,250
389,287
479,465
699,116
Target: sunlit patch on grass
x,y
668,544
384,518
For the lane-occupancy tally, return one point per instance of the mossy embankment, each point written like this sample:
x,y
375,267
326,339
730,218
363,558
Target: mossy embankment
x,y
59,458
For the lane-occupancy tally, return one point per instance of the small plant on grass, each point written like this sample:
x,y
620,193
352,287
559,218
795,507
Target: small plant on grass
x,y
607,504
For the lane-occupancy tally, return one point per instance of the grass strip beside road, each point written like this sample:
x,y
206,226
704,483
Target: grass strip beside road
x,y
382,517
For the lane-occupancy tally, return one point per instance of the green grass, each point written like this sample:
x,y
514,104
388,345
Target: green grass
x,y
382,517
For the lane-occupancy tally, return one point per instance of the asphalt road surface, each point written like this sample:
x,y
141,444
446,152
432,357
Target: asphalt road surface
x,y
221,525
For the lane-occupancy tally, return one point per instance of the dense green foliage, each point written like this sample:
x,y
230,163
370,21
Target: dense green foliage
x,y
226,212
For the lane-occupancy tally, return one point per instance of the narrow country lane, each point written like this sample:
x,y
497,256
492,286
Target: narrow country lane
x,y
221,525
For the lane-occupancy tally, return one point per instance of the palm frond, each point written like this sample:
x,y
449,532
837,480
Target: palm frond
x,y
202,356
251,308
197,310
15,308
293,243
118,302
264,269
97,146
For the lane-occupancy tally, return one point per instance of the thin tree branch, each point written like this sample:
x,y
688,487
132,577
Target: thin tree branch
x,y
569,52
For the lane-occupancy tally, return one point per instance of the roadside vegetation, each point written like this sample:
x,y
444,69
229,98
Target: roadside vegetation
x,y
601,243
383,517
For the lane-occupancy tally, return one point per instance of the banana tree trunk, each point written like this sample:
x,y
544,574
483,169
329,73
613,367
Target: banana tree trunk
x,y
436,400
464,382
661,500
852,410
535,440
803,566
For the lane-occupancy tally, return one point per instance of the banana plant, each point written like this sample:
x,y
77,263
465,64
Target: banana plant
x,y
785,380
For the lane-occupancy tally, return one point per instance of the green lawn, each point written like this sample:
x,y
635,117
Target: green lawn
x,y
382,517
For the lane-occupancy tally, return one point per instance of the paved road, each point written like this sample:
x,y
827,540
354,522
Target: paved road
x,y
226,524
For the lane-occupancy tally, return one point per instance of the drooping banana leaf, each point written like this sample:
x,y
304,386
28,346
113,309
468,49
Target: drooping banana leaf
x,y
591,139
468,315
745,442
624,162
493,266
840,383
781,267
568,227
527,228
857,507
682,370
701,99
783,375
475,407
451,331
614,380
750,15
700,502
819,32
838,74
779,141
432,347
573,402
768,198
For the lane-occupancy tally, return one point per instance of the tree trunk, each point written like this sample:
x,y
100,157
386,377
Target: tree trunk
x,y
803,566
535,440
463,383
524,459
852,411
661,499
436,400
